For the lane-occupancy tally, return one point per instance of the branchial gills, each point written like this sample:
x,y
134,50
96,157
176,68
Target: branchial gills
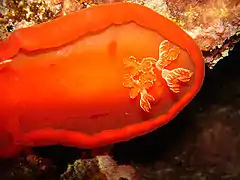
x,y
141,75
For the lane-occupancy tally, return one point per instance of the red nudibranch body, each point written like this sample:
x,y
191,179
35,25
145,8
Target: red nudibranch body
x,y
95,77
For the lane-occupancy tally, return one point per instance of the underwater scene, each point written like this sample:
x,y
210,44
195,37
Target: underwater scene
x,y
119,90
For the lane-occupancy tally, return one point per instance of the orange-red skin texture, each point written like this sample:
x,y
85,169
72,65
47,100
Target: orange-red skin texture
x,y
73,26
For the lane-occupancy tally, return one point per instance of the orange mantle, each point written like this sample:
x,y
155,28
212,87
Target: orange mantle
x,y
83,83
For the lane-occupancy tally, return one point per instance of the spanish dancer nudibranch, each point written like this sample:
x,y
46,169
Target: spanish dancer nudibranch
x,y
83,83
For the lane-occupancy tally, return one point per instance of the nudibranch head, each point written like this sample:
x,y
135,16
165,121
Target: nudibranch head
x,y
88,83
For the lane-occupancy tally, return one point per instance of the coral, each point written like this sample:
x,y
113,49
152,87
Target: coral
x,y
83,169
100,167
15,14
